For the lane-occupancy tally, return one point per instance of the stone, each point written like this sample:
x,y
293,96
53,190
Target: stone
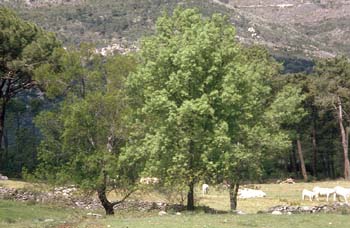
x,y
94,215
49,220
161,213
276,213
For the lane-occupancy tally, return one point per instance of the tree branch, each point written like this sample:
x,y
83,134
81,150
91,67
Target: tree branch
x,y
125,197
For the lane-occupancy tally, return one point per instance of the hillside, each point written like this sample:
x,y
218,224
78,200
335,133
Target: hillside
x,y
297,28
325,22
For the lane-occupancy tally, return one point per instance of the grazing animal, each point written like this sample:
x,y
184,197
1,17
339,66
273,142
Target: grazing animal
x,y
250,193
323,192
205,189
308,193
340,191
149,180
286,181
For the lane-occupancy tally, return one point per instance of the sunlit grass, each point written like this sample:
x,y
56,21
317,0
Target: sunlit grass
x,y
15,184
200,220
19,214
276,194
15,214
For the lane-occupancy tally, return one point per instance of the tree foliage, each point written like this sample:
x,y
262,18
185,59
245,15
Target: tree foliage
x,y
205,102
23,48
85,134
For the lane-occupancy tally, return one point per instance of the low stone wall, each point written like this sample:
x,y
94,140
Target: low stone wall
x,y
67,196
327,208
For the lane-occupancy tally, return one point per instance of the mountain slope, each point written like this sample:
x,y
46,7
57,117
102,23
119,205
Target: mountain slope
x,y
324,22
287,27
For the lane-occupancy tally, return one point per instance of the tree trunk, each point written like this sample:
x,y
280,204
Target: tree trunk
x,y
325,169
293,161
344,140
331,167
190,194
190,197
108,206
301,159
6,146
233,195
101,192
2,126
314,151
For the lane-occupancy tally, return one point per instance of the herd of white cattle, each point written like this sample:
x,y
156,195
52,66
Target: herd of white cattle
x,y
246,193
317,192
336,192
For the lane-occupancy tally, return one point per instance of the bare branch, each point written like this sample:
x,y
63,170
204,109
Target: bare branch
x,y
125,197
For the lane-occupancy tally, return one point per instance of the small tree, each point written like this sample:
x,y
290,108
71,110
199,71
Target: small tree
x,y
84,137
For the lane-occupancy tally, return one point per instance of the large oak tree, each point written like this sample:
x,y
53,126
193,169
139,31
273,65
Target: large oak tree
x,y
205,103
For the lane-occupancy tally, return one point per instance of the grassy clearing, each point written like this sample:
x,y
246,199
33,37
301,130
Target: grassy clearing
x,y
15,184
189,220
277,194
17,214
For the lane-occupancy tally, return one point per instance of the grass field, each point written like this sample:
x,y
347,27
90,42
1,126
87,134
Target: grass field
x,y
16,214
276,194
225,221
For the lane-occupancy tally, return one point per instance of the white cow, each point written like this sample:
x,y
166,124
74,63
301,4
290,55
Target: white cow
x,y
308,193
149,180
323,192
340,191
247,193
205,189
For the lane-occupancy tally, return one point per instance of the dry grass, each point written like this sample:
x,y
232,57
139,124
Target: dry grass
x,y
15,184
16,214
277,194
